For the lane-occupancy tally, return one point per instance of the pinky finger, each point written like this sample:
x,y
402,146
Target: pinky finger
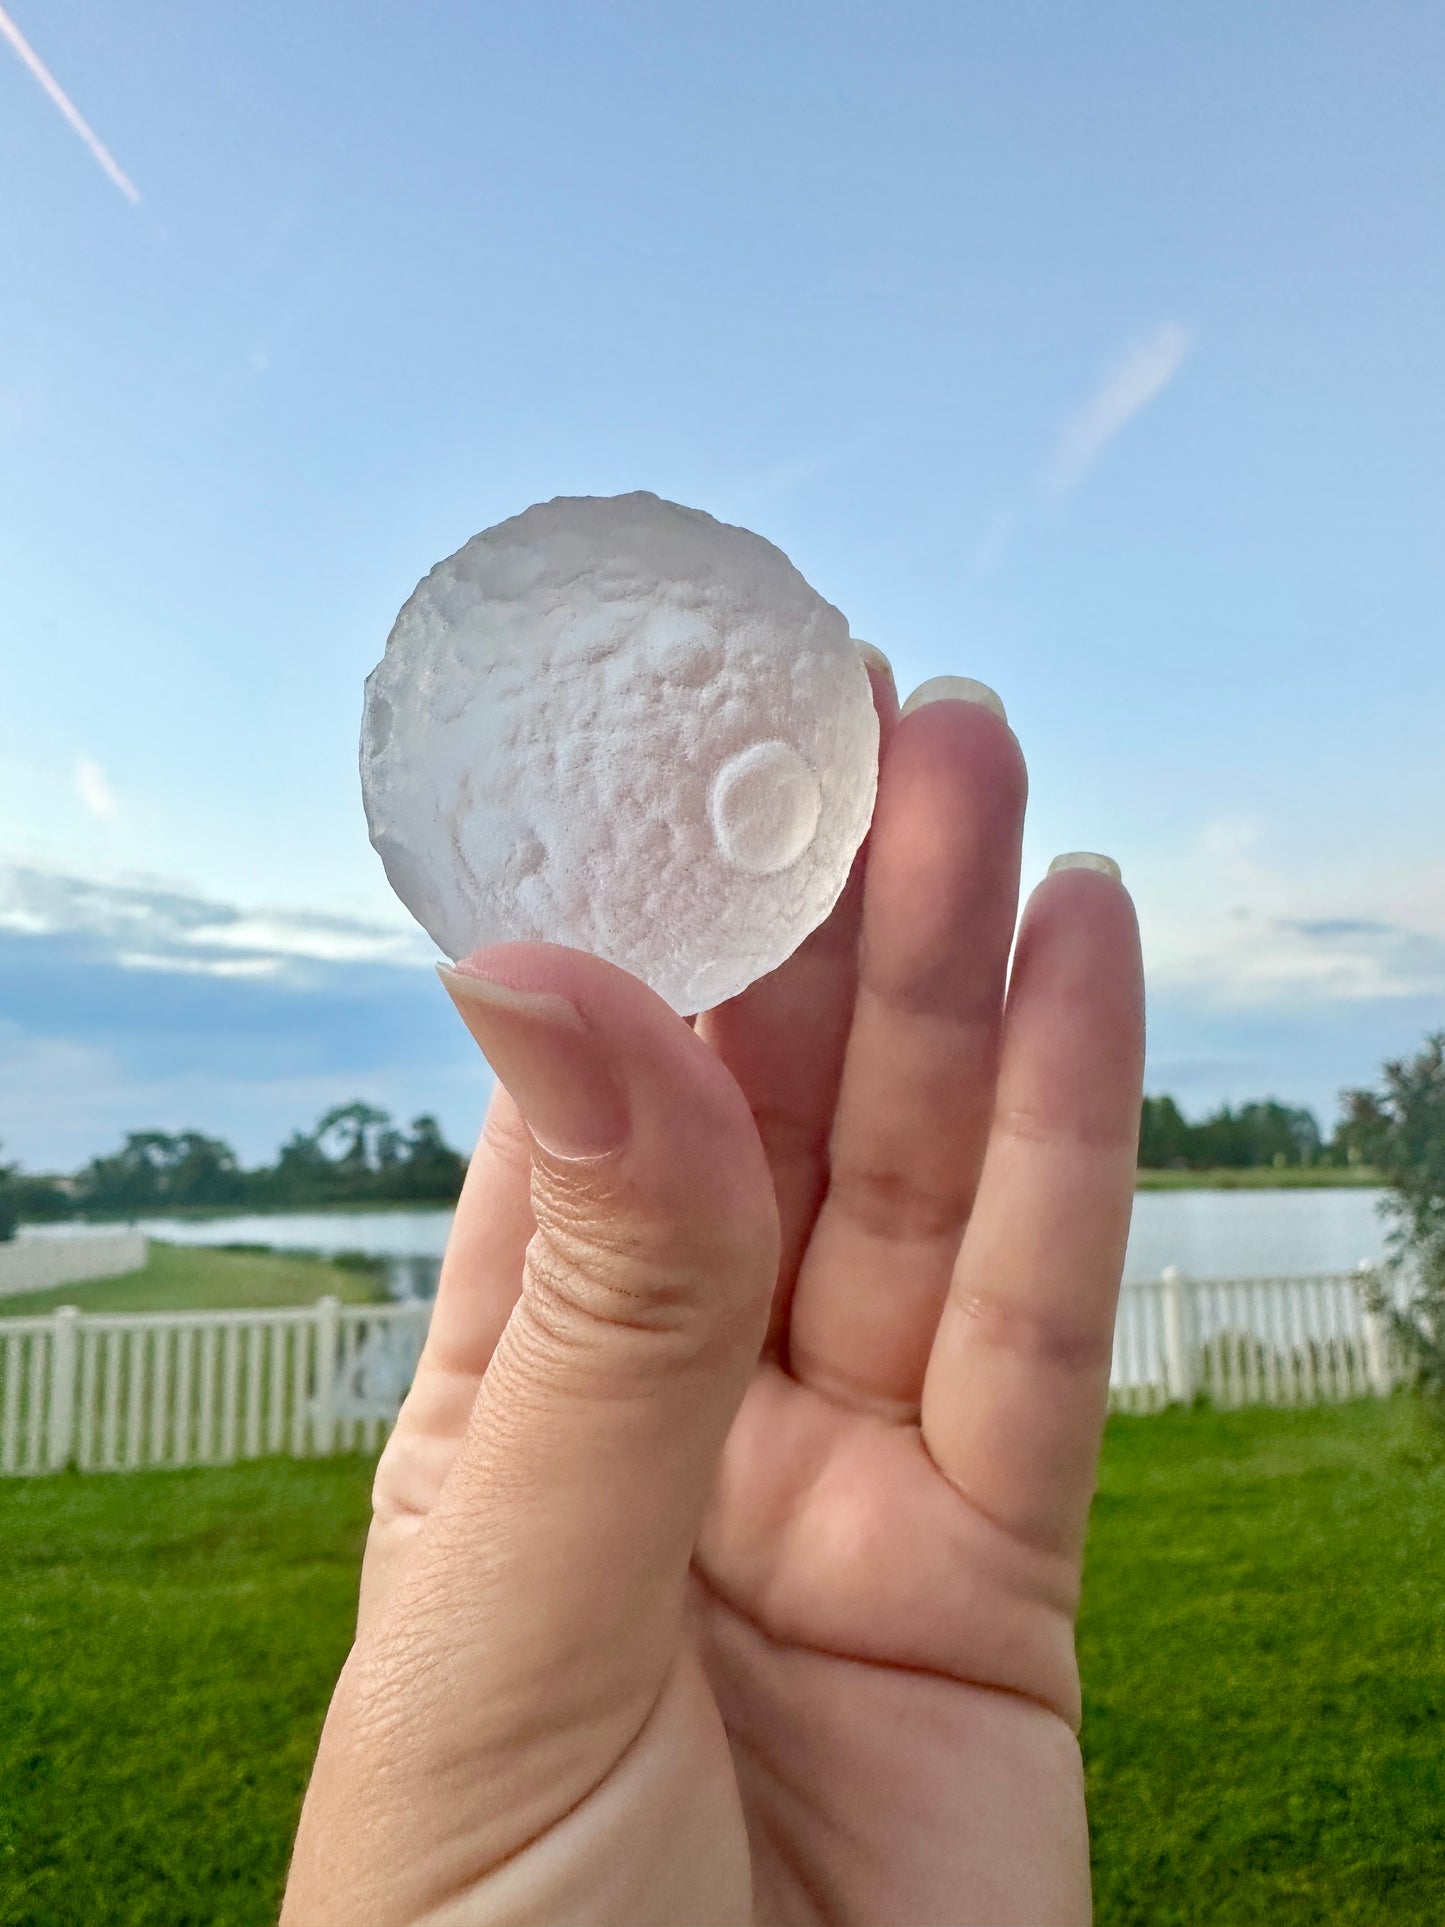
x,y
1017,1383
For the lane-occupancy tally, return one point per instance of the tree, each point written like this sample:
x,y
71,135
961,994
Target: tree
x,y
9,1202
354,1155
303,1173
433,1170
1263,1133
353,1132
1349,1147
1164,1135
201,1170
1278,1134
1399,1127
156,1169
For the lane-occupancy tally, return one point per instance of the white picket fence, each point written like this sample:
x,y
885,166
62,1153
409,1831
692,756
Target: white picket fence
x,y
109,1393
1249,1341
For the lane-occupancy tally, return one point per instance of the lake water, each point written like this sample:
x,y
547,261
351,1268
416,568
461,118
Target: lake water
x,y
1207,1234
1253,1234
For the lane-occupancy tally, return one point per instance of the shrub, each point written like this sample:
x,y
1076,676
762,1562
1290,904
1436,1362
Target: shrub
x,y
1400,1126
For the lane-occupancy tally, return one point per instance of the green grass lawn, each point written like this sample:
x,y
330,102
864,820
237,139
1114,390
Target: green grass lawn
x,y
1264,1177
1263,1643
167,1645
193,1278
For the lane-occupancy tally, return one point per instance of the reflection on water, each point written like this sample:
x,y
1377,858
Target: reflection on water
x,y
1207,1234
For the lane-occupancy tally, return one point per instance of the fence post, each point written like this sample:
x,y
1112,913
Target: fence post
x,y
1178,1350
60,1446
1379,1363
323,1437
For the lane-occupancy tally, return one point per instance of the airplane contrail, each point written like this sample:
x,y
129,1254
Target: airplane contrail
x,y
32,60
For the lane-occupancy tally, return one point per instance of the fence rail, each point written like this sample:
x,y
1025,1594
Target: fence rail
x,y
109,1393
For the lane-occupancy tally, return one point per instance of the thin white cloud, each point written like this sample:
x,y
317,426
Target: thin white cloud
x,y
1143,374
102,155
321,939
1288,963
1138,378
200,966
92,786
146,926
1226,926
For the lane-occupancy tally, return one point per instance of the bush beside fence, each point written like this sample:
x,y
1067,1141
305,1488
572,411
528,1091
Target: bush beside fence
x,y
109,1393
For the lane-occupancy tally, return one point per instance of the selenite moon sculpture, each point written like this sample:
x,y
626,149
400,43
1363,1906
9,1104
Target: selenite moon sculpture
x,y
621,725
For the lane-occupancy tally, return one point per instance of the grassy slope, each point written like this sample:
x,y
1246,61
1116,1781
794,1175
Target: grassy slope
x,y
191,1278
1263,1647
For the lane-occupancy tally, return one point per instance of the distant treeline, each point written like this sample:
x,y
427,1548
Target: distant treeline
x,y
355,1155
1254,1135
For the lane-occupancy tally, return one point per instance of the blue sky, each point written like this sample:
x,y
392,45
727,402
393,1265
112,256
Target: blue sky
x,y
1093,352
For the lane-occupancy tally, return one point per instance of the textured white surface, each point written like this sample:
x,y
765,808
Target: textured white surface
x,y
618,724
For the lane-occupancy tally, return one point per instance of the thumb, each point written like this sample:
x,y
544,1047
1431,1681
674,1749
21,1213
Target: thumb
x,y
563,1534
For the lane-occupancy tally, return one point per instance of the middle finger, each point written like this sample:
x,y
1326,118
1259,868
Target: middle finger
x,y
916,1095
783,1040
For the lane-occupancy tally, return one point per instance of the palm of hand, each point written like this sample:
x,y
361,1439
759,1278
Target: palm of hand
x,y
860,1705
895,1677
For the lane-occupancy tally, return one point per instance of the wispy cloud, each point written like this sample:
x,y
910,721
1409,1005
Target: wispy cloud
x,y
102,155
126,1004
144,926
1228,927
92,786
1140,377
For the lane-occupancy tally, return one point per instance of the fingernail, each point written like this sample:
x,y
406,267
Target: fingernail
x,y
956,689
876,659
549,1058
1087,860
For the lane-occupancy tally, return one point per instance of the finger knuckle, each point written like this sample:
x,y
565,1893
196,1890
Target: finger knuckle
x,y
888,1200
1043,1334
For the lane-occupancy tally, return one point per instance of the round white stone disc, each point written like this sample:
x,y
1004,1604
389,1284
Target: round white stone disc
x,y
620,725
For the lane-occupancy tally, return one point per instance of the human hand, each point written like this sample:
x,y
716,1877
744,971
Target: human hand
x,y
726,1550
